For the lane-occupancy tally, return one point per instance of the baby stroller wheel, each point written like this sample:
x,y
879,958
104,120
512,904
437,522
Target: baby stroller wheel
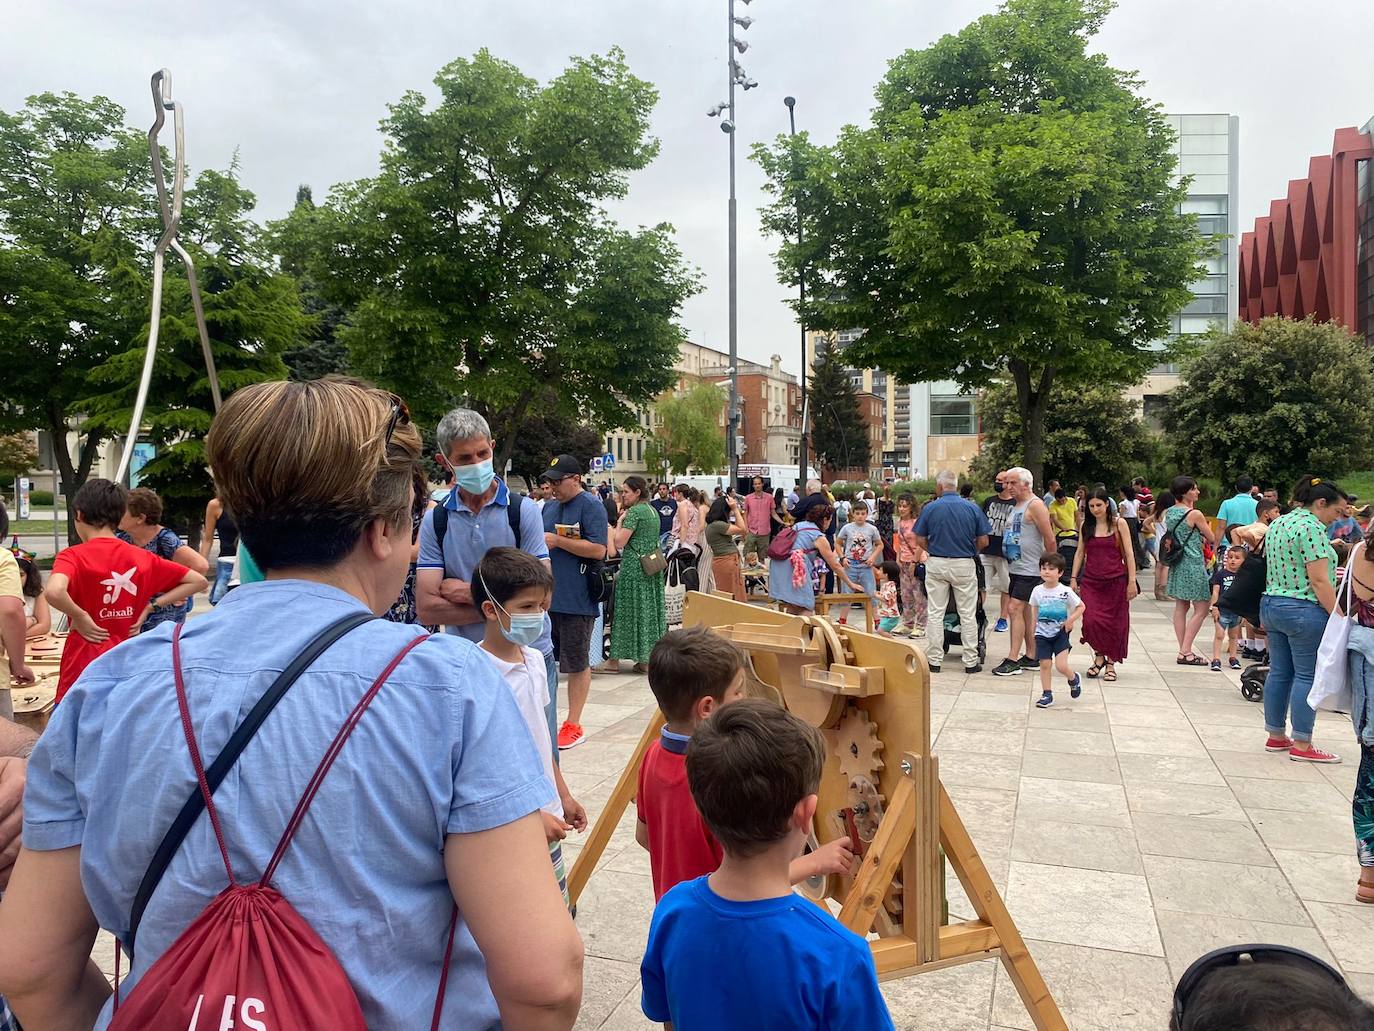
x,y
1252,682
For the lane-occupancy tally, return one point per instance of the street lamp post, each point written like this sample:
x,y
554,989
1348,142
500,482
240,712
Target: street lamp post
x,y
791,103
735,77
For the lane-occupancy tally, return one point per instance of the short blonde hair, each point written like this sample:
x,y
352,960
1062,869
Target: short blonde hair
x,y
305,467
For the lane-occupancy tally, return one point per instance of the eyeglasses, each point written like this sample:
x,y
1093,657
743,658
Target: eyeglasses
x,y
1235,955
400,414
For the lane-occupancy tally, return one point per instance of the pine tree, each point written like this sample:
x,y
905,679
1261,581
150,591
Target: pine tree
x,y
839,435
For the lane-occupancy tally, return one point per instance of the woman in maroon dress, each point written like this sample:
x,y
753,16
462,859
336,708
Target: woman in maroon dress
x,y
1104,577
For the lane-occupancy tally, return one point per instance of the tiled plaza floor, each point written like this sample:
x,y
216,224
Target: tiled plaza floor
x,y
1129,831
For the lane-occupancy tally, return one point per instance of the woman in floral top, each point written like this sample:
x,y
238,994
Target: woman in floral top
x,y
1299,594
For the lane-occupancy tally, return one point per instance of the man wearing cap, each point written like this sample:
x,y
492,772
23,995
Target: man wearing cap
x,y
575,534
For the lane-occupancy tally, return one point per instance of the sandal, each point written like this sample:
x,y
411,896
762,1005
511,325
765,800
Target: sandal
x,y
1364,892
1192,659
1093,671
606,670
1110,676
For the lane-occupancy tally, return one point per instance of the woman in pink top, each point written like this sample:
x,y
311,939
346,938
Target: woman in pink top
x,y
910,555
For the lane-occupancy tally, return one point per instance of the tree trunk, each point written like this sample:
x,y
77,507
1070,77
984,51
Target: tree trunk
x,y
71,476
504,427
1032,399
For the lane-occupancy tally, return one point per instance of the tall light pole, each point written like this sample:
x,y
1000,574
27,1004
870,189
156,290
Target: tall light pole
x,y
735,77
791,103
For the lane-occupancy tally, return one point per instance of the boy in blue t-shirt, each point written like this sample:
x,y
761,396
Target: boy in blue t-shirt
x,y
737,948
1055,608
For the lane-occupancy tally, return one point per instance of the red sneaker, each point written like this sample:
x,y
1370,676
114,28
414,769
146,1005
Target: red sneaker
x,y
1312,754
570,735
1278,744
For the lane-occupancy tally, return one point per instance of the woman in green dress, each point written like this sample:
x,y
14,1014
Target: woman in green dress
x,y
1188,582
639,619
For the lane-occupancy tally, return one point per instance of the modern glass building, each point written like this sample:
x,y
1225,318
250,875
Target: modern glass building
x,y
1208,151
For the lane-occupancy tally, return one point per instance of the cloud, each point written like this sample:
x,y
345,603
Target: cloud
x,y
299,89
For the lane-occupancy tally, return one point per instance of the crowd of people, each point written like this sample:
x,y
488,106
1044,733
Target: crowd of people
x,y
429,885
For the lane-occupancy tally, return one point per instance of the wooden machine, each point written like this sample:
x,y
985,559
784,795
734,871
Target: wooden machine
x,y
880,786
32,704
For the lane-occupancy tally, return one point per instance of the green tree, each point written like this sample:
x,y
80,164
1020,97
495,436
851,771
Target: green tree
x,y
546,432
1009,214
77,218
1275,400
688,432
480,262
839,435
17,457
253,315
322,353
1092,435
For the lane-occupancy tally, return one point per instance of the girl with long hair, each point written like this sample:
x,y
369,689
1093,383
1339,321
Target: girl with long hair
x,y
1104,577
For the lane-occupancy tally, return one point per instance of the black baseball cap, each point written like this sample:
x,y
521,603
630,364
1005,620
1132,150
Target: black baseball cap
x,y
562,467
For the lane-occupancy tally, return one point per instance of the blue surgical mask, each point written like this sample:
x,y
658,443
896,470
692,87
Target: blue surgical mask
x,y
525,627
476,478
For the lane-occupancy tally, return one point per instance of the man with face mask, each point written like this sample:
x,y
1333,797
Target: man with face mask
x,y
575,533
481,512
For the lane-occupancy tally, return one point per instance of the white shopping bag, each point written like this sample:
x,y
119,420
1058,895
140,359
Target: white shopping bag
x,y
1331,681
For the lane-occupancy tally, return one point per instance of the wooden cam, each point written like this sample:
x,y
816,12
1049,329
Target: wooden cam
x,y
820,674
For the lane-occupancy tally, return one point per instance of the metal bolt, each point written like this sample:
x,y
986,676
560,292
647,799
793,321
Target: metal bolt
x,y
906,766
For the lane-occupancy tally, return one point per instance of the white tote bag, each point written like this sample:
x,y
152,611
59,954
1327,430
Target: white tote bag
x,y
674,596
1331,682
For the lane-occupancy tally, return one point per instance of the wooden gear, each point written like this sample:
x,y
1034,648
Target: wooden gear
x,y
870,696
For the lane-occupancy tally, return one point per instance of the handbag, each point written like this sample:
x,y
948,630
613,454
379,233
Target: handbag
x,y
674,598
1331,681
600,581
653,563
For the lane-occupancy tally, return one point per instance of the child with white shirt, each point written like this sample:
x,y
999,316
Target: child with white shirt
x,y
1055,608
512,589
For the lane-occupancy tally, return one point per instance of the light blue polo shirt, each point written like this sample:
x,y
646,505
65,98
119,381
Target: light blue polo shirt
x,y
1238,510
442,749
470,534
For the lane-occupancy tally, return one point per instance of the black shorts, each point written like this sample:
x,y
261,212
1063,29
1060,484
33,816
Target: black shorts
x,y
1022,585
572,636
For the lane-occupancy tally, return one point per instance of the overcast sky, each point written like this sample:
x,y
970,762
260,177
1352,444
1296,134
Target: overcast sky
x,y
299,87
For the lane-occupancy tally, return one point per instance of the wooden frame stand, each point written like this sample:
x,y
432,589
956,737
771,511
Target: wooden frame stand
x,y
880,786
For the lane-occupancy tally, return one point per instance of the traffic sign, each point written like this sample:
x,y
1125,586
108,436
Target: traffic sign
x,y
608,461
597,465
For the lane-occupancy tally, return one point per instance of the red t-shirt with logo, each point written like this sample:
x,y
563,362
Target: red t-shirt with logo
x,y
112,581
680,846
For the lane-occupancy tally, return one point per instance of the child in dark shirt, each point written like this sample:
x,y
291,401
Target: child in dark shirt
x,y
738,948
692,673
1227,623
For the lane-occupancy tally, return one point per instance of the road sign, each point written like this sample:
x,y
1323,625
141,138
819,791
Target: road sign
x,y
23,497
597,464
608,461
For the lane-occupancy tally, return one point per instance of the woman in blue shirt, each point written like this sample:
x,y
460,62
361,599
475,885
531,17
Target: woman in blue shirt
x,y
434,798
796,580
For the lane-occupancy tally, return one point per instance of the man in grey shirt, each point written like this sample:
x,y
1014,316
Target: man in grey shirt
x,y
1023,542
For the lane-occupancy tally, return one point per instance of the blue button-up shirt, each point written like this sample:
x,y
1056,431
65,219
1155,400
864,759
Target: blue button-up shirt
x,y
470,534
952,525
442,749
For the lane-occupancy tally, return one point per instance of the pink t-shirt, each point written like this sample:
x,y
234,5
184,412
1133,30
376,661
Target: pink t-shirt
x,y
758,510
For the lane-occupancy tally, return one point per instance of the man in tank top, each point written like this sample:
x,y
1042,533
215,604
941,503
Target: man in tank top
x,y
1023,542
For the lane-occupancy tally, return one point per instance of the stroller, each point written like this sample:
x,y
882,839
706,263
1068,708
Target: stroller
x,y
954,631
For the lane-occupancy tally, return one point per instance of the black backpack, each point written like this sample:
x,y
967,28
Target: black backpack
x,y
513,506
1171,545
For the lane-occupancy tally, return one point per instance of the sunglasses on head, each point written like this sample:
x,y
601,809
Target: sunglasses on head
x,y
400,413
1235,955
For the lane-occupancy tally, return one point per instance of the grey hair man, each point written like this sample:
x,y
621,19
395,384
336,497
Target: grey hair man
x,y
1027,536
480,513
952,530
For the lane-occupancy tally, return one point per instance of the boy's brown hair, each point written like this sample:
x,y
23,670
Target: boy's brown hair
x,y
101,503
690,664
748,766
505,572
1053,560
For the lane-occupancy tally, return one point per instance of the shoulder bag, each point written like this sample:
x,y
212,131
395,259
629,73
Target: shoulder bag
x,y
1331,680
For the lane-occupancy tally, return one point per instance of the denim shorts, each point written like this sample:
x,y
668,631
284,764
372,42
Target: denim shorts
x,y
1228,620
1046,648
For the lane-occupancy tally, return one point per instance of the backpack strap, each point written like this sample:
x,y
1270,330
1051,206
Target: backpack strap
x,y
332,753
215,774
513,505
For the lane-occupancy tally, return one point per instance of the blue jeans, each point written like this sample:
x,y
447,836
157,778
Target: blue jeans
x,y
224,570
551,710
1295,629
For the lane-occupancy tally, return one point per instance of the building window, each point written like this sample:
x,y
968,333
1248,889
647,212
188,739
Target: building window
x,y
620,449
953,416
639,450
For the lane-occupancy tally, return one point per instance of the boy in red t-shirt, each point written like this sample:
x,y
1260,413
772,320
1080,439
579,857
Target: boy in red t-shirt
x,y
692,673
105,586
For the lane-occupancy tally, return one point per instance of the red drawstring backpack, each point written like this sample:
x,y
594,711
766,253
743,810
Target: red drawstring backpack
x,y
249,961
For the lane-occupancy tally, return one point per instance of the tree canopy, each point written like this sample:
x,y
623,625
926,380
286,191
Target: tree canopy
x,y
1092,435
1010,213
1275,400
77,216
480,264
687,431
545,432
839,435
